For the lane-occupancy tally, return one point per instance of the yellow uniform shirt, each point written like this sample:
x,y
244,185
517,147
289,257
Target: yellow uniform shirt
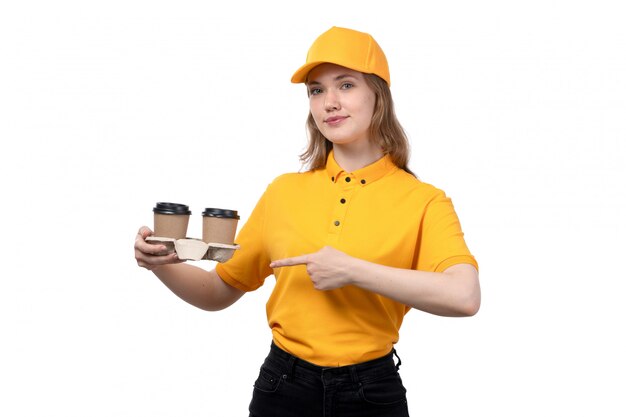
x,y
379,213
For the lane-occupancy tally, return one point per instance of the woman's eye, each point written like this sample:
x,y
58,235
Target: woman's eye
x,y
315,91
346,86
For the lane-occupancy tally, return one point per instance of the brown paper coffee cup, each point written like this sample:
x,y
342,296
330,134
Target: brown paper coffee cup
x,y
171,220
219,225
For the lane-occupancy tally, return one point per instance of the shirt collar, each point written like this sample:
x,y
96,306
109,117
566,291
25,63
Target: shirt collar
x,y
365,175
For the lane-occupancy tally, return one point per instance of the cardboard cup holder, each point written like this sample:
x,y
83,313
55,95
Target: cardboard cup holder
x,y
191,249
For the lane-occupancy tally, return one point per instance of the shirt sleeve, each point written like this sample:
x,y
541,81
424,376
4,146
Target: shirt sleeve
x,y
249,266
441,241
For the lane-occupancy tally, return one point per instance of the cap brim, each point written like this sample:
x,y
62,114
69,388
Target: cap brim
x,y
300,75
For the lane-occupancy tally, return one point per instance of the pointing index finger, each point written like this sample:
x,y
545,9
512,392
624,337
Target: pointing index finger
x,y
296,260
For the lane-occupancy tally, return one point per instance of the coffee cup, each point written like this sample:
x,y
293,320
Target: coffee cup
x,y
219,225
171,220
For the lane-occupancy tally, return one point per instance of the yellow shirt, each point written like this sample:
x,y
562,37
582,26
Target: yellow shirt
x,y
379,213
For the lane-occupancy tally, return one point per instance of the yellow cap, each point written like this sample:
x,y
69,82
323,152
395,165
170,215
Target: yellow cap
x,y
348,48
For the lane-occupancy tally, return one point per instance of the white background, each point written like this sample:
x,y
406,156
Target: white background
x,y
515,109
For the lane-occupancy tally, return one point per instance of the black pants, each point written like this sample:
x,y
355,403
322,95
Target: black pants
x,y
291,387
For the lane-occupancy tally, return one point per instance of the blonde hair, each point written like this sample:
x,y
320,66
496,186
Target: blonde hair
x,y
385,130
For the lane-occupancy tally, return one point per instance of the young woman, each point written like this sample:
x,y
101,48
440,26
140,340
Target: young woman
x,y
354,243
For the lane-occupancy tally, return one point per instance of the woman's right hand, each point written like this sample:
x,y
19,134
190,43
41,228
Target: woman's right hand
x,y
149,255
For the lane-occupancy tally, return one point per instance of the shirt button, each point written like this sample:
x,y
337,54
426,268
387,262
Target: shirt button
x,y
348,179
362,181
342,201
337,223
332,179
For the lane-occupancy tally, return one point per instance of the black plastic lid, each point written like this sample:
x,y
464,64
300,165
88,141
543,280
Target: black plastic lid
x,y
171,208
215,212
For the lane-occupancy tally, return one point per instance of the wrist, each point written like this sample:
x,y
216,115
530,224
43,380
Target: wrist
x,y
354,272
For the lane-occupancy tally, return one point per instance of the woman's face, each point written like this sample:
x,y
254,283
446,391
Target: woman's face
x,y
341,103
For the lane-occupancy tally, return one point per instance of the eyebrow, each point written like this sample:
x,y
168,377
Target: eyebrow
x,y
337,78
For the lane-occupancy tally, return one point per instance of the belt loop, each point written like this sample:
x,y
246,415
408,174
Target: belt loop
x,y
291,365
353,374
399,360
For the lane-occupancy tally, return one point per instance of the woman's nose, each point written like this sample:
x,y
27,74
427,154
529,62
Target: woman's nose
x,y
331,101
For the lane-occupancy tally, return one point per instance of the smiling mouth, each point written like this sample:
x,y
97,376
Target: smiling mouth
x,y
335,120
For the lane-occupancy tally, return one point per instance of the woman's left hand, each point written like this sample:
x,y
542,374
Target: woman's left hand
x,y
328,268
